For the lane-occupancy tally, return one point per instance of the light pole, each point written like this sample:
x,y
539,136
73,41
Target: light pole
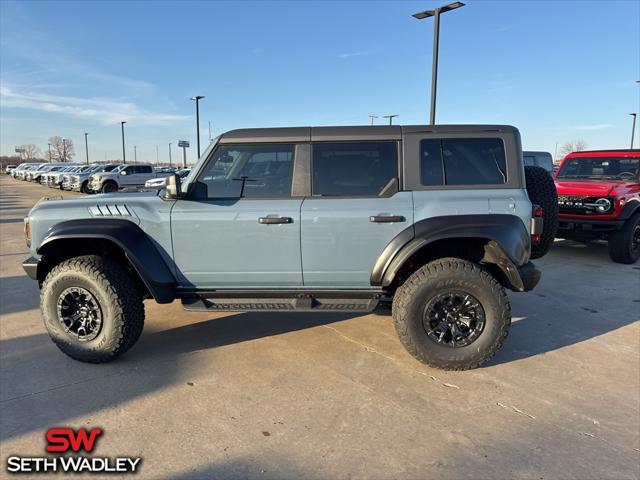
x,y
157,156
169,154
436,37
64,149
373,119
633,128
124,155
86,146
135,154
49,152
390,117
197,99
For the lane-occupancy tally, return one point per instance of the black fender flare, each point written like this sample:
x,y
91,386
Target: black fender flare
x,y
632,207
131,239
508,244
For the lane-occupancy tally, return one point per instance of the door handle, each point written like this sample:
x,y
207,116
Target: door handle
x,y
274,220
386,218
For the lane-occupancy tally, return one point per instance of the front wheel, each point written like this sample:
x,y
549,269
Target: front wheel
x,y
92,308
624,245
452,314
109,187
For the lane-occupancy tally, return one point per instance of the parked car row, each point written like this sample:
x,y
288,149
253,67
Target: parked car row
x,y
598,192
95,178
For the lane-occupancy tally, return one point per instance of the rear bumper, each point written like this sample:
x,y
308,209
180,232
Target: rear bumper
x,y
530,276
30,266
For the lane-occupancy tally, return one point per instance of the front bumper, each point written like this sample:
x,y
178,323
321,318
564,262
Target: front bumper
x,y
95,186
30,266
587,226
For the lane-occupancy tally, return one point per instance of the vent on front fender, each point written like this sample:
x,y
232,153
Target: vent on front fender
x,y
110,211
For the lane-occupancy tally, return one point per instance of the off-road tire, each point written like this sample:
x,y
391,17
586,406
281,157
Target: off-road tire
x,y
542,191
83,187
621,248
118,297
441,276
109,187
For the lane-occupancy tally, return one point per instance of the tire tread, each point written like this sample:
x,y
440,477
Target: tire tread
x,y
428,272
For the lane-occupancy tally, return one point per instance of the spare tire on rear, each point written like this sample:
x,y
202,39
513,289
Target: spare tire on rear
x,y
542,192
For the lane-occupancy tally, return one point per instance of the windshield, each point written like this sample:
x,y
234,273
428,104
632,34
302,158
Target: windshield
x,y
602,168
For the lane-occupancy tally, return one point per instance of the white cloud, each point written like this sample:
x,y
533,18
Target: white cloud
x,y
598,126
103,110
351,54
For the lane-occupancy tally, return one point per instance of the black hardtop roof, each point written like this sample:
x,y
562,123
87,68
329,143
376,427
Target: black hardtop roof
x,y
360,132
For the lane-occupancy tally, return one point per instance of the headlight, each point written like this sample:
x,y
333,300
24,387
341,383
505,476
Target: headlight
x,y
27,231
603,205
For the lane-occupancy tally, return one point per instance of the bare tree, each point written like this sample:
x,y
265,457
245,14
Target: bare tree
x,y
48,155
572,146
61,149
30,151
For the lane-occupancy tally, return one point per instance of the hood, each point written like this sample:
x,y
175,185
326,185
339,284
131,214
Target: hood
x,y
587,187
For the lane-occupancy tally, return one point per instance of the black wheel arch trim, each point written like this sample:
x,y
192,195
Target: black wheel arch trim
x,y
131,239
508,244
632,207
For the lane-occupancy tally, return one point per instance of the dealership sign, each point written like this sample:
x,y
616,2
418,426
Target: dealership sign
x,y
64,441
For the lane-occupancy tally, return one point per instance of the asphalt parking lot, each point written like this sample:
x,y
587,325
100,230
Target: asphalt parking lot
x,y
244,395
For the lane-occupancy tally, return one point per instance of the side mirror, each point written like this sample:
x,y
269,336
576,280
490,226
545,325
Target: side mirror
x,y
174,186
123,172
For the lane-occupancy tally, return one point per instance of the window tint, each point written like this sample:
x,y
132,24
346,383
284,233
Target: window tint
x,y
463,161
353,169
251,170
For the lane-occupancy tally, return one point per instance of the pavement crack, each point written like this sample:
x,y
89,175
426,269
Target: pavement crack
x,y
516,410
395,361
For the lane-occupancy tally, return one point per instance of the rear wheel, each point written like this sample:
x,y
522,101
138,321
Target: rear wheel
x,y
452,314
92,308
542,191
624,245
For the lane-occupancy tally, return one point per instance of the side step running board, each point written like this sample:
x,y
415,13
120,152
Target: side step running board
x,y
301,303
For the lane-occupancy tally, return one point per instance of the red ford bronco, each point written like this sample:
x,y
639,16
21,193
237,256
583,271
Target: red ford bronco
x,y
599,198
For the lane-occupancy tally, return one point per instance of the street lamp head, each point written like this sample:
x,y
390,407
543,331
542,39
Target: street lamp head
x,y
122,123
431,13
197,97
425,14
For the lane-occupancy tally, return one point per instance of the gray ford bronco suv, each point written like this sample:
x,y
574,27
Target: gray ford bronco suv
x,y
436,221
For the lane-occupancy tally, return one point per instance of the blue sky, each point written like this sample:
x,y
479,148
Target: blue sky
x,y
558,70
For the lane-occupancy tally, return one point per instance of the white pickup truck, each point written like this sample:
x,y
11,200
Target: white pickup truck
x,y
123,177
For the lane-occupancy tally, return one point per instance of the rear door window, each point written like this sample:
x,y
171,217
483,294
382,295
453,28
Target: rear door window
x,y
354,168
463,161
